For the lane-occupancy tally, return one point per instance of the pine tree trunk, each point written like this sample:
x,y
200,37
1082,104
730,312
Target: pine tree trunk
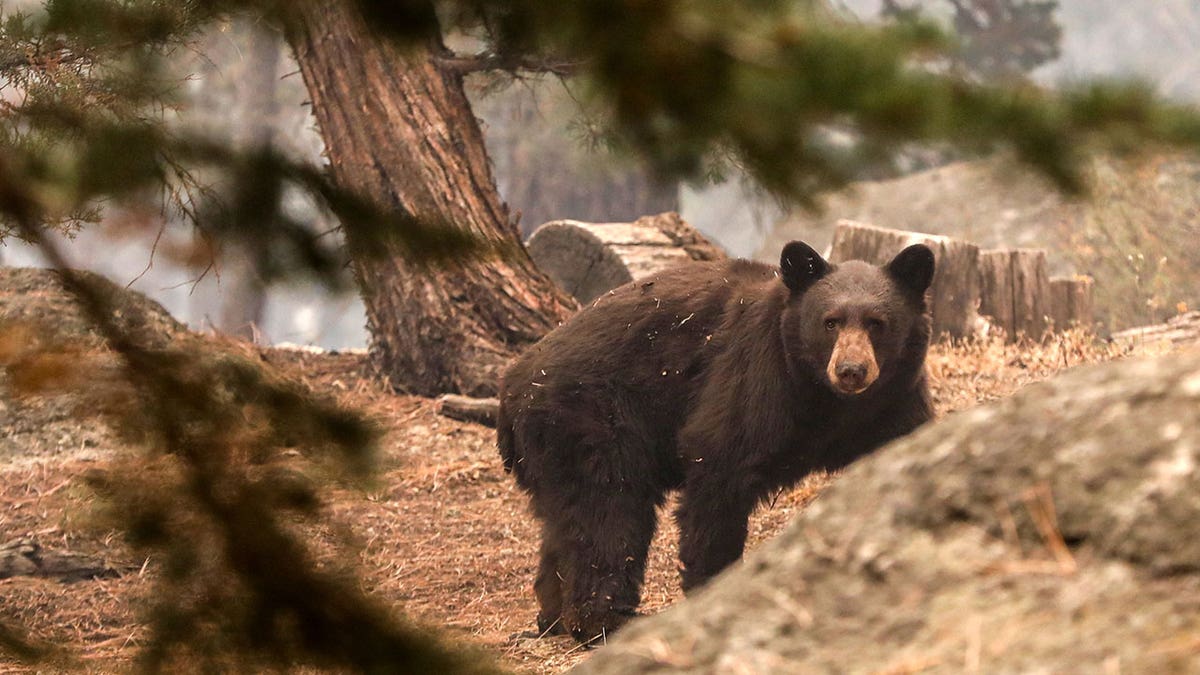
x,y
400,129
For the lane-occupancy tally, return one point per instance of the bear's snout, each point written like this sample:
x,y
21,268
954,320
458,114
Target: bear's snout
x,y
851,374
852,367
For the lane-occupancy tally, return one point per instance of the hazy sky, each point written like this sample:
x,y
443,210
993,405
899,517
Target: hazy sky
x,y
1158,40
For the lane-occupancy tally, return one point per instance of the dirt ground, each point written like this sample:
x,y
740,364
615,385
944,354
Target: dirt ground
x,y
441,534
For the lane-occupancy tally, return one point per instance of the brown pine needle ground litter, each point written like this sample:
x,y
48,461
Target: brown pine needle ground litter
x,y
440,533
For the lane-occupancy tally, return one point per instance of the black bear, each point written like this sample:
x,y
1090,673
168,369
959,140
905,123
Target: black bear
x,y
726,380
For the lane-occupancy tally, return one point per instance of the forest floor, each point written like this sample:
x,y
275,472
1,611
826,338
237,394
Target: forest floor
x,y
440,534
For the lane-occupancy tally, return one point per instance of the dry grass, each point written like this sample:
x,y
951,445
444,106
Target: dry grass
x,y
441,533
965,373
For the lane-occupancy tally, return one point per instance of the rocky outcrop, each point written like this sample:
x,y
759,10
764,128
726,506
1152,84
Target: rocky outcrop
x,y
989,202
1054,531
35,298
45,336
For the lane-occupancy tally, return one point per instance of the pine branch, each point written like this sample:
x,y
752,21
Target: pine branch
x,y
300,612
490,61
42,58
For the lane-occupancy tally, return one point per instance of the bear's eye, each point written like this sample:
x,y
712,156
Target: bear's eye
x,y
874,325
831,324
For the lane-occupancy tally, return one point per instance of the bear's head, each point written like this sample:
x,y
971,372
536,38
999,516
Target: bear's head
x,y
854,324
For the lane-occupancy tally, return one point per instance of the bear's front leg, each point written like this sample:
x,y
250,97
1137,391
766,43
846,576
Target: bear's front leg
x,y
712,517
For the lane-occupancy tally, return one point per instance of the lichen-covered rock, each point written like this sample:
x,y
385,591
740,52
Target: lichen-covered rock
x,y
39,317
36,297
1055,531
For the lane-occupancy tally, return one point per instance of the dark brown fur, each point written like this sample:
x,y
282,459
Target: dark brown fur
x,y
727,381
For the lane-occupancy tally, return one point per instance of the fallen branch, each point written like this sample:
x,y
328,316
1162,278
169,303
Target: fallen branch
x,y
26,557
466,409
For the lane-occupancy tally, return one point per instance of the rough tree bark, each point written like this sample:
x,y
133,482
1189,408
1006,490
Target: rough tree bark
x,y
1031,292
1016,291
26,557
398,128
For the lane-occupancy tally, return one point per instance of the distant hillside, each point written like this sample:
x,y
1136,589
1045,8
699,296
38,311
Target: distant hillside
x,y
989,202
1136,235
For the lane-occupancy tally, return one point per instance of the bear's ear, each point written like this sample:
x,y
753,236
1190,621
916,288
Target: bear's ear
x,y
801,266
912,268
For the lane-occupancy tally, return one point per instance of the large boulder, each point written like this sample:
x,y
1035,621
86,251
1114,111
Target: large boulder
x,y
36,298
39,317
1054,531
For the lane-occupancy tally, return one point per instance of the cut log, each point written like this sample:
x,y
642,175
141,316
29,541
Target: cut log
x,y
954,294
467,409
1071,301
590,259
697,246
26,557
1178,330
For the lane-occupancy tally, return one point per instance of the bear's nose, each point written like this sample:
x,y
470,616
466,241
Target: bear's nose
x,y
852,374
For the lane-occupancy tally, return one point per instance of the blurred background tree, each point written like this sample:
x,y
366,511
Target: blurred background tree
x,y
252,98
551,158
998,39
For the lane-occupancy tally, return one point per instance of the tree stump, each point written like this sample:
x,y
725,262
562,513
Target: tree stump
x,y
1071,301
590,259
996,290
1015,292
1031,292
954,294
